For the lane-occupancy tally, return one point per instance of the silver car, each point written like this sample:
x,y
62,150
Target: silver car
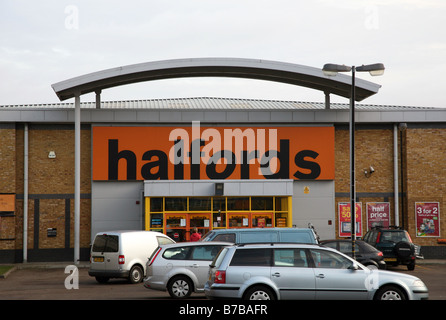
x,y
181,268
294,271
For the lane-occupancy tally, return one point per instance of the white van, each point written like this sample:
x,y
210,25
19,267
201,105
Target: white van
x,y
123,254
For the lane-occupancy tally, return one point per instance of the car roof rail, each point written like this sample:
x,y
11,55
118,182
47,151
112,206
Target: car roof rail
x,y
396,227
254,243
271,243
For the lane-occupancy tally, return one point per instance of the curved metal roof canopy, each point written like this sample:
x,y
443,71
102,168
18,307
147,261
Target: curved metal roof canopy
x,y
215,67
201,67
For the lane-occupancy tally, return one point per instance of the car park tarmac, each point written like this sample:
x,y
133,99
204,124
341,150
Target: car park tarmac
x,y
51,282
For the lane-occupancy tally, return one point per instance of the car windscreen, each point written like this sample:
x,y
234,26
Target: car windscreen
x,y
207,237
258,236
297,237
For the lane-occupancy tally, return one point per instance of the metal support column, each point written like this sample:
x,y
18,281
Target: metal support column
x,y
25,193
77,175
98,99
352,165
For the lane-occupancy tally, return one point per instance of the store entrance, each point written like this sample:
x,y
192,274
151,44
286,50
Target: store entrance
x,y
180,226
178,216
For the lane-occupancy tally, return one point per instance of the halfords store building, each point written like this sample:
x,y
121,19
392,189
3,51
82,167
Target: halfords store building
x,y
175,164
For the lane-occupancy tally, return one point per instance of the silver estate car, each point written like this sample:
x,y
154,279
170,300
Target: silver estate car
x,y
181,268
298,271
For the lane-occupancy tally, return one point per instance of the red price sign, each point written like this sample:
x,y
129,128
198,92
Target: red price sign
x,y
345,219
378,214
427,219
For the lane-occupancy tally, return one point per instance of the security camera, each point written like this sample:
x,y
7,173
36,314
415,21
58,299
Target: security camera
x,y
368,172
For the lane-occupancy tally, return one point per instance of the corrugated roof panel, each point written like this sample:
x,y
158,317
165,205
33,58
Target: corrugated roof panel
x,y
209,103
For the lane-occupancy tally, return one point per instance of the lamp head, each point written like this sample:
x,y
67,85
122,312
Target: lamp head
x,y
331,69
376,69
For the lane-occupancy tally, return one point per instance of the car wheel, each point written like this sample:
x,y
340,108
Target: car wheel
x,y
411,266
390,293
136,274
180,287
259,293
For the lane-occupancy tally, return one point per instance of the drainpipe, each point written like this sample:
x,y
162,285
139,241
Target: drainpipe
x,y
25,195
395,173
401,128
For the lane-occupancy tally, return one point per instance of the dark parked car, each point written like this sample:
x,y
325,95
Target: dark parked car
x,y
364,253
395,244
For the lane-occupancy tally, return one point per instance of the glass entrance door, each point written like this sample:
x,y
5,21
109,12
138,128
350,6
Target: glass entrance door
x,y
179,226
176,226
201,221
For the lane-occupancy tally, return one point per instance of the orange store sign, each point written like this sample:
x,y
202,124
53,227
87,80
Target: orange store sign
x,y
195,152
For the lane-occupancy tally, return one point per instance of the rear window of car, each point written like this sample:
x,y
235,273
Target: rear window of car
x,y
394,236
219,258
251,257
106,243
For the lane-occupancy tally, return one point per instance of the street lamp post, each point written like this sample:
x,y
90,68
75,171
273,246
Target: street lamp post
x,y
330,69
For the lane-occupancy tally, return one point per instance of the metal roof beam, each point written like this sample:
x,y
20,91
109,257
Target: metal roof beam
x,y
288,73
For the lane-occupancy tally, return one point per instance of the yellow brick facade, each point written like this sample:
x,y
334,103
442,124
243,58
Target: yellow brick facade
x,y
51,181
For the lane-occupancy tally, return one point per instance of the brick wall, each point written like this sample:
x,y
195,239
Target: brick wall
x,y
373,147
51,181
7,183
426,175
424,172
51,186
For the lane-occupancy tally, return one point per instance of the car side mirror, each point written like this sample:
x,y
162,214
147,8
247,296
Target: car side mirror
x,y
354,267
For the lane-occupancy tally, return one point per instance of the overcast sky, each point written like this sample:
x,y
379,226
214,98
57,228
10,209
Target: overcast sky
x,y
44,42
